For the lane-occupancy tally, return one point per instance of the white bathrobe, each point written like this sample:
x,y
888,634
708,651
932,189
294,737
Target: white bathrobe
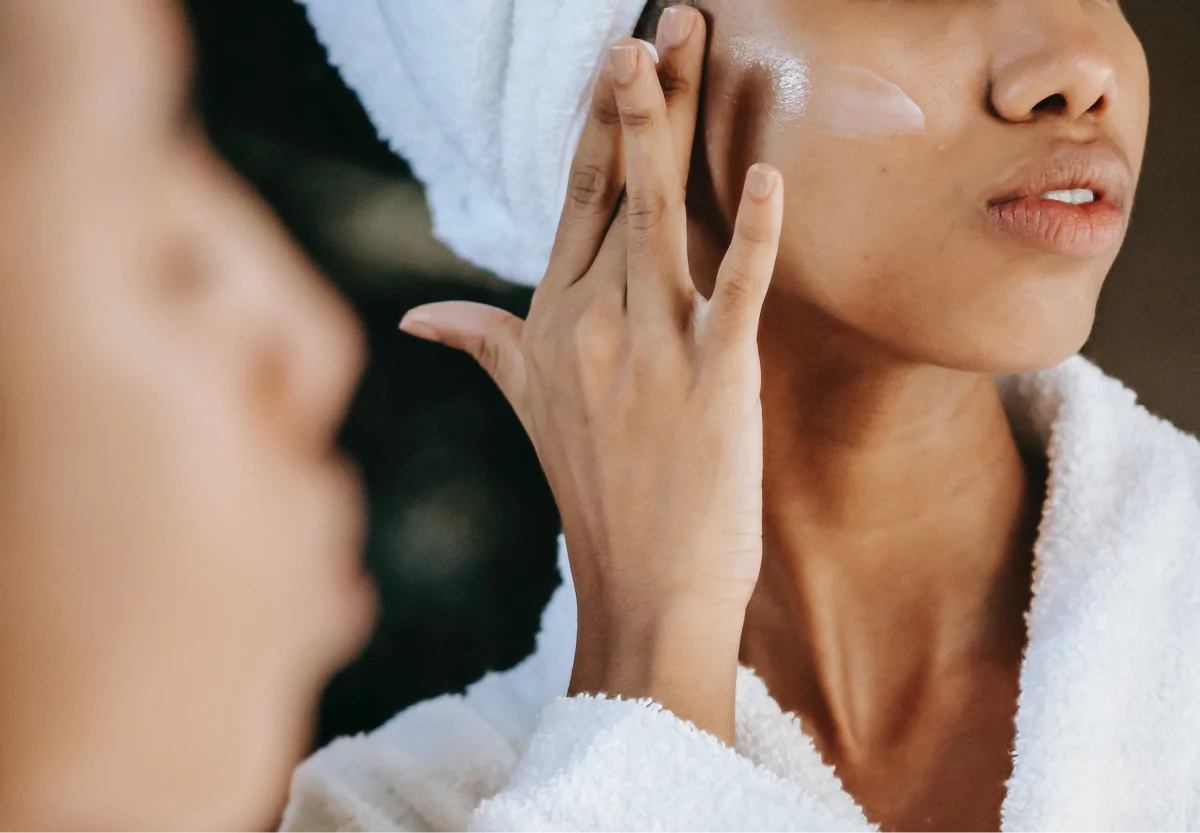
x,y
1108,721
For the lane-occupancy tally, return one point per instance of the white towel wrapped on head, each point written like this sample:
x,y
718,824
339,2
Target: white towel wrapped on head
x,y
486,100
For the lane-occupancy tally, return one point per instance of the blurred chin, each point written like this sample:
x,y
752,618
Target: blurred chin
x,y
253,786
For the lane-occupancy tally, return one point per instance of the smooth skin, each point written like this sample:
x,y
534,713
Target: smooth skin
x,y
899,515
642,396
180,543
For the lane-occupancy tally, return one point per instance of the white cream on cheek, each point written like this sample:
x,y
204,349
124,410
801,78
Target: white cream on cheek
x,y
844,101
856,103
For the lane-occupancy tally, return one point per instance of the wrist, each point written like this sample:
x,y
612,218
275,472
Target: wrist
x,y
683,656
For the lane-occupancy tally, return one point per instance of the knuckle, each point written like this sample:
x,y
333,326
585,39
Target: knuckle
x,y
637,119
653,366
594,336
740,286
588,188
646,211
606,112
756,234
489,354
674,86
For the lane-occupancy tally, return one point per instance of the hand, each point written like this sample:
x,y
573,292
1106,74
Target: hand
x,y
641,396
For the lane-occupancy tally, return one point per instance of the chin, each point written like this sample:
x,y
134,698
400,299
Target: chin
x,y
1026,344
256,764
1030,322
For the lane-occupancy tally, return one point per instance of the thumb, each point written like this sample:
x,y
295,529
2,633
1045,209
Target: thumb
x,y
489,335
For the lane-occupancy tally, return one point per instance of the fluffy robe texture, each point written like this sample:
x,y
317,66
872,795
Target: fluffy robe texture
x,y
486,99
1108,722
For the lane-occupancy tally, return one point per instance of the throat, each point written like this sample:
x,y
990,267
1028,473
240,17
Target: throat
x,y
901,654
890,612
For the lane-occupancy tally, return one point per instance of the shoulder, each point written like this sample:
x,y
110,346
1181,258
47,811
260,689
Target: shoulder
x,y
1107,720
1120,476
1117,568
1122,515
431,765
426,769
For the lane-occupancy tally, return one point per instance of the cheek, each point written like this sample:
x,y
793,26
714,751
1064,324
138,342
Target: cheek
x,y
168,542
883,238
850,141
888,181
854,209
1133,121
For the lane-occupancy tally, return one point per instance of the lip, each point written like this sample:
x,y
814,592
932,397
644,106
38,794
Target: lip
x,y
360,595
1085,230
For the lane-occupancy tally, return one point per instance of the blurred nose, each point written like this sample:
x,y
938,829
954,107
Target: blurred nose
x,y
1051,62
322,356
294,345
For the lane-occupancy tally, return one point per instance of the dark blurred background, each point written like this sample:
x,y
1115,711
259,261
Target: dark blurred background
x,y
463,526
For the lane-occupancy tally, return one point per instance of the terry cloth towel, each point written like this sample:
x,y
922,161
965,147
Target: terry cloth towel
x,y
486,99
1108,721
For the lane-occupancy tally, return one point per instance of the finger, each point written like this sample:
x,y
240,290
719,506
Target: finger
x,y
682,39
607,283
656,220
745,274
594,187
489,335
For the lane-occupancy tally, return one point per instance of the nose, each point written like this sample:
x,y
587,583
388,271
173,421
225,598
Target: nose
x,y
306,348
323,349
1052,63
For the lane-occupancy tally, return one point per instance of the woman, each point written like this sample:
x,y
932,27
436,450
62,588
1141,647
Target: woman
x,y
966,604
179,539
181,542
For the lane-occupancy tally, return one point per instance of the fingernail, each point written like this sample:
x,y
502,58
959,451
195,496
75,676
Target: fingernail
x,y
624,62
676,25
652,49
416,324
760,182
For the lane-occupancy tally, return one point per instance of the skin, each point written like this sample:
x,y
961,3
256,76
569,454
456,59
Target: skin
x,y
181,541
621,371
898,514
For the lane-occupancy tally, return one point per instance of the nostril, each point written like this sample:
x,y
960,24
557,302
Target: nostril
x,y
1056,103
1100,104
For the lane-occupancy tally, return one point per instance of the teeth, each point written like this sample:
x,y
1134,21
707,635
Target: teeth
x,y
1077,197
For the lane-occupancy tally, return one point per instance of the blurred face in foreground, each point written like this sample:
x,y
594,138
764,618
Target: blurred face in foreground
x,y
179,540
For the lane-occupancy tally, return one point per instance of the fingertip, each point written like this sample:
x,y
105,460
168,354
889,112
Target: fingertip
x,y
652,49
421,331
624,56
417,324
678,25
762,181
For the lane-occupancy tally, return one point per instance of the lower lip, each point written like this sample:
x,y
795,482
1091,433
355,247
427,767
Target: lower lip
x,y
360,595
1083,230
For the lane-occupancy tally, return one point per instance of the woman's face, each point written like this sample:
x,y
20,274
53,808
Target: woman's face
x,y
179,542
916,137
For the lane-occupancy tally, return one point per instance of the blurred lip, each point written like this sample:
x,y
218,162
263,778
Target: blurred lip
x,y
362,596
1082,230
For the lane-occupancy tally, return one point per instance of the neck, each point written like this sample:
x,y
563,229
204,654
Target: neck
x,y
898,530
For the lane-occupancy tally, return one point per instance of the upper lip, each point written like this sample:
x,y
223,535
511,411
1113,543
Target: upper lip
x,y
1097,168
